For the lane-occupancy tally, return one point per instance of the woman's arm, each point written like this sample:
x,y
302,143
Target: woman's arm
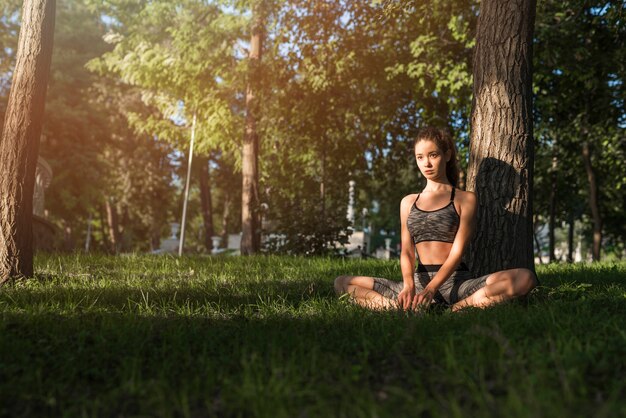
x,y
463,235
407,255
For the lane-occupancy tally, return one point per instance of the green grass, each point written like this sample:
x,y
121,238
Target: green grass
x,y
265,336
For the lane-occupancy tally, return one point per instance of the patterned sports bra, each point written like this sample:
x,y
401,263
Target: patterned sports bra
x,y
433,225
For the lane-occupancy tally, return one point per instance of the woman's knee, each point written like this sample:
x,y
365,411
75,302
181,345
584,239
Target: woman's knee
x,y
525,281
341,284
513,282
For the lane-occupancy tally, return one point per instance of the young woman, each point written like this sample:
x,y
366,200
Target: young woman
x,y
438,224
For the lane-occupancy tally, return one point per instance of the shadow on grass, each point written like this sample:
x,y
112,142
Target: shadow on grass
x,y
111,364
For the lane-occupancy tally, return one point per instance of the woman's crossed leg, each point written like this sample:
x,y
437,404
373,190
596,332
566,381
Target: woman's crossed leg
x,y
499,287
361,290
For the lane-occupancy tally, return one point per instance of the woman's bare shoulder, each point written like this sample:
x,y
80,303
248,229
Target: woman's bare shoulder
x,y
465,197
408,199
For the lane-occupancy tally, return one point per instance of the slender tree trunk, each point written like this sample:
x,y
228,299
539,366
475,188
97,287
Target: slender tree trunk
x,y
19,144
593,203
552,219
155,237
88,237
227,203
68,238
123,230
570,239
538,245
501,144
113,222
250,241
207,204
322,183
103,226
156,224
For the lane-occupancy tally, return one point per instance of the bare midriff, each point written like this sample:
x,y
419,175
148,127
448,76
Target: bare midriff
x,y
433,252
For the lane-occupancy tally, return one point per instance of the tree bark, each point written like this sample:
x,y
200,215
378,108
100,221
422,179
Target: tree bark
x,y
250,239
19,144
501,143
207,204
593,203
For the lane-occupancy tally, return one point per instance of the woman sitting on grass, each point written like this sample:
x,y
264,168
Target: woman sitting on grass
x,y
438,224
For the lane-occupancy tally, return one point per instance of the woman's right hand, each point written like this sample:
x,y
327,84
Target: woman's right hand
x,y
405,297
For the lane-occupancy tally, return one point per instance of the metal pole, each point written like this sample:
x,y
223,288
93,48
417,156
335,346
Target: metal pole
x,y
182,226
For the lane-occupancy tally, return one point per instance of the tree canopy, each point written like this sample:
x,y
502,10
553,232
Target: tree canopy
x,y
343,87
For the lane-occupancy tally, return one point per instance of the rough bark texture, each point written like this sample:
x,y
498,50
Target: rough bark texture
x,y
593,203
19,144
207,204
250,239
501,144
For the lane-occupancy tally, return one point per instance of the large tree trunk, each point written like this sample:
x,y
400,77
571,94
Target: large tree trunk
x,y
207,204
501,143
250,239
19,144
593,203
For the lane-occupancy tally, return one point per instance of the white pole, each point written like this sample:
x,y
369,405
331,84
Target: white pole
x,y
182,226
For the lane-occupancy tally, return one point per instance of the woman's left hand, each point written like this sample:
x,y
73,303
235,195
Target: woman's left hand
x,y
423,299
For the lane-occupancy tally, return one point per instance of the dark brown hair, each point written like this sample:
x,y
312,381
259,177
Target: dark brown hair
x,y
444,141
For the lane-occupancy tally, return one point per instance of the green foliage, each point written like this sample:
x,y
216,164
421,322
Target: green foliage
x,y
9,28
579,73
343,88
182,57
75,129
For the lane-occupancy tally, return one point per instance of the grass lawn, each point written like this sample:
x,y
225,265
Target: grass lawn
x,y
265,336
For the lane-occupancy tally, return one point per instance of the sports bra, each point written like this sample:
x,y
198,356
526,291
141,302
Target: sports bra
x,y
433,225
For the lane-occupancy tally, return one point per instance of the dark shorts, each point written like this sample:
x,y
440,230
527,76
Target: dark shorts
x,y
457,287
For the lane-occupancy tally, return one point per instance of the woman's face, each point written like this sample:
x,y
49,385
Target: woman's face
x,y
430,160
